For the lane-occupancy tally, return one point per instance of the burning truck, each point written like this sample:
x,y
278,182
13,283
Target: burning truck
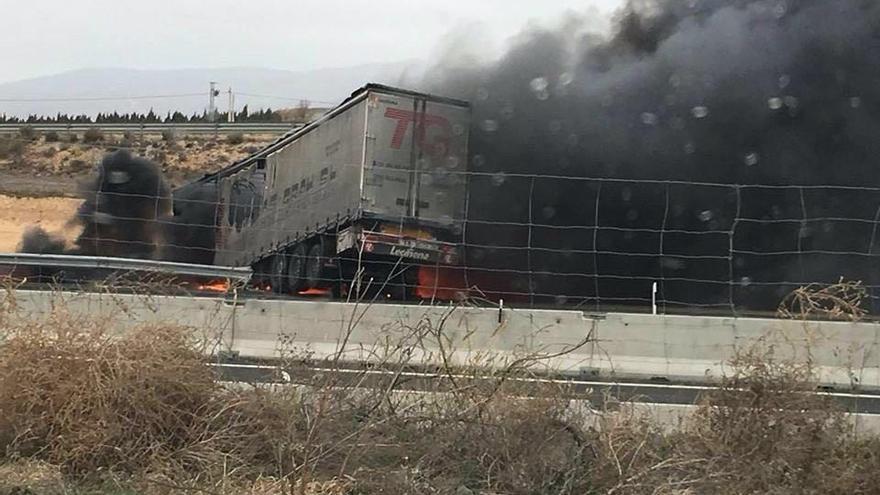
x,y
373,191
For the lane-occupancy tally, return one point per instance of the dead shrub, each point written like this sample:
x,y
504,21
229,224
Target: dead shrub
x,y
840,301
93,135
74,395
765,427
11,148
27,133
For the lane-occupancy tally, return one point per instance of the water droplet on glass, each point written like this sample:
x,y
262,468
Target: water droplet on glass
x,y
673,263
674,80
780,9
776,212
548,212
561,300
689,148
632,215
805,231
555,126
506,111
543,95
649,118
498,179
745,281
566,78
539,84
700,112
775,103
452,162
752,159
706,215
489,125
482,94
784,81
479,160
855,102
791,102
626,194
458,129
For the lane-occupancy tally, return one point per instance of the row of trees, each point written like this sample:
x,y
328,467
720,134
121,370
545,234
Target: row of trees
x,y
151,117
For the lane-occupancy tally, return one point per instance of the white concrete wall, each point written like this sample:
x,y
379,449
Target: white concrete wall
x,y
622,345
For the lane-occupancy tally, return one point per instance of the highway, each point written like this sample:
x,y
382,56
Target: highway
x,y
667,403
598,392
157,128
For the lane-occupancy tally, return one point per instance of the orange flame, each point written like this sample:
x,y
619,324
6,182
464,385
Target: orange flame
x,y
440,283
315,292
215,287
446,283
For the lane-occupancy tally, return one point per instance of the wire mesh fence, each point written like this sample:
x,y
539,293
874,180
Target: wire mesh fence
x,y
538,240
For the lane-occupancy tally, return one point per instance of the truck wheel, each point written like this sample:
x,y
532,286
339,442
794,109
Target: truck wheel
x,y
296,268
276,274
315,266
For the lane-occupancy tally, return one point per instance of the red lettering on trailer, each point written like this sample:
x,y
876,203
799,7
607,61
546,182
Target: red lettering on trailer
x,y
439,145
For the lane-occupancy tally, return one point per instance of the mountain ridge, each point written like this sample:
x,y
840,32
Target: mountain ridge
x,y
121,89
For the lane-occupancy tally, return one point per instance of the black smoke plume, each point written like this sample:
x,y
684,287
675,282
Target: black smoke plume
x,y
124,208
127,212
190,231
36,240
748,92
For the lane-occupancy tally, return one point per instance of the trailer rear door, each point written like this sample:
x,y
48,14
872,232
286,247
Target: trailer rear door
x,y
415,158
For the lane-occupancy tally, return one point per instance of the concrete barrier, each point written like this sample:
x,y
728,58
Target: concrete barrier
x,y
677,348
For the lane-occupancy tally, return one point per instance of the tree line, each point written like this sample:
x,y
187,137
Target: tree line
x,y
151,117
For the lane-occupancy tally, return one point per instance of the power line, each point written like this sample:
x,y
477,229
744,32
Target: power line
x,y
288,98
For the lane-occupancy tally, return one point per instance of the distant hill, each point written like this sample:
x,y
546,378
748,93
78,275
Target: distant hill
x,y
91,91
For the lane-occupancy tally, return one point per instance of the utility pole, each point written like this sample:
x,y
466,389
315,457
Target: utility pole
x,y
212,107
230,116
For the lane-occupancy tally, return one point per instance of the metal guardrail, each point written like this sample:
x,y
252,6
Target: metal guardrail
x,y
219,128
242,274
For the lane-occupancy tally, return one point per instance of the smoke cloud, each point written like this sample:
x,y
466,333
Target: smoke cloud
x,y
757,92
124,208
125,213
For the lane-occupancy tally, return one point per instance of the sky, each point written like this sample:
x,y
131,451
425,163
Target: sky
x,y
44,37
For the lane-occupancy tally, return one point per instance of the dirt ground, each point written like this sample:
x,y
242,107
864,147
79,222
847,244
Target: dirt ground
x,y
18,213
37,167
40,178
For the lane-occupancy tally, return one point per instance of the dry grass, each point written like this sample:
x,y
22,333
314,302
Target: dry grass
x,y
87,408
841,301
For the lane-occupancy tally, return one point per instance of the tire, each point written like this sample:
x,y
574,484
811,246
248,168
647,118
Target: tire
x,y
314,274
296,266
